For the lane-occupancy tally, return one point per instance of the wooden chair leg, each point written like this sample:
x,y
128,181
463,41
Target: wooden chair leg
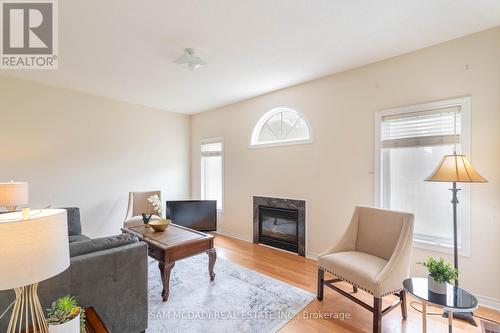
x,y
321,286
404,309
354,289
377,314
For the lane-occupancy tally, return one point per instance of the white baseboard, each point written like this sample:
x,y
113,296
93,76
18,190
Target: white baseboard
x,y
312,255
488,302
234,235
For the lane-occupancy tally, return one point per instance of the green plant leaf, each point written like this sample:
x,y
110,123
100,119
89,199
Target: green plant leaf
x,y
63,310
440,270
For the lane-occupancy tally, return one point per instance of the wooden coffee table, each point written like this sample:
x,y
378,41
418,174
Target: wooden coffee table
x,y
175,243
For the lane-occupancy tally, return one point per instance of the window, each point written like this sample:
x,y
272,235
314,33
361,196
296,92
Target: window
x,y
212,170
410,143
281,126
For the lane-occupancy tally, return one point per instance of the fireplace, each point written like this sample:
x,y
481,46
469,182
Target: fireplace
x,y
278,228
280,223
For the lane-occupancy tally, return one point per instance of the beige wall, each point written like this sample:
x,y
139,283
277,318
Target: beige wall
x,y
89,151
335,172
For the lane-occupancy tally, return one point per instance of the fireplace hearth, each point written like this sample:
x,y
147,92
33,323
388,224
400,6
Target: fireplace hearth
x,y
280,223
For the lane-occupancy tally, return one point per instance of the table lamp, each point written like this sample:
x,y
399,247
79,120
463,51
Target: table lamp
x,y
33,250
456,169
13,194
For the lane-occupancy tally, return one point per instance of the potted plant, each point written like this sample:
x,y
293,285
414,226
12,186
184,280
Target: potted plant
x,y
65,316
157,206
440,272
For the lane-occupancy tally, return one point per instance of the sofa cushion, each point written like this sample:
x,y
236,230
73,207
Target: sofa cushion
x,y
77,238
98,244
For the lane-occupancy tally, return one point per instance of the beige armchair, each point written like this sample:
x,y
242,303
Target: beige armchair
x,y
373,255
137,204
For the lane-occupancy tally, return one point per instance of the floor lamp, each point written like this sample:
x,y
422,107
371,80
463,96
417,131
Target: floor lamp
x,y
456,169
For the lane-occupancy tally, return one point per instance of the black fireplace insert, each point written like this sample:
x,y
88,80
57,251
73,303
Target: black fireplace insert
x,y
278,227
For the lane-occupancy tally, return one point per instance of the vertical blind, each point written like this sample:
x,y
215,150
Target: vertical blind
x,y
424,128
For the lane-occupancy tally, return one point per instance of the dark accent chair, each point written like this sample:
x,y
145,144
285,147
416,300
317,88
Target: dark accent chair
x,y
107,273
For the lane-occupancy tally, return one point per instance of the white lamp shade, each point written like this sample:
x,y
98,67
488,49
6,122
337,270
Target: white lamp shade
x,y
13,194
34,249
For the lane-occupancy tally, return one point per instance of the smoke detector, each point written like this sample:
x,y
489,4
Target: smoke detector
x,y
189,60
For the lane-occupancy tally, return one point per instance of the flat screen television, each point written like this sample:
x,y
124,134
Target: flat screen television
x,y
194,214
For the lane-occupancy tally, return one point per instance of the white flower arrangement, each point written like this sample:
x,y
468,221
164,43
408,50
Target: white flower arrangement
x,y
156,203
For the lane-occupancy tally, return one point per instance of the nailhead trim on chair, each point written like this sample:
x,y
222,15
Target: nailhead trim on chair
x,y
358,286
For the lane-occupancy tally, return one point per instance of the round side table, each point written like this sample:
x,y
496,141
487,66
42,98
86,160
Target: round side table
x,y
455,300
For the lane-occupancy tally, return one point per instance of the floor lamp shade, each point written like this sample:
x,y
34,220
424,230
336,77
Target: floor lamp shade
x,y
456,168
13,194
33,249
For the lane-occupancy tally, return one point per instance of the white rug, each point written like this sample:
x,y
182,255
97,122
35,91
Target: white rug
x,y
238,300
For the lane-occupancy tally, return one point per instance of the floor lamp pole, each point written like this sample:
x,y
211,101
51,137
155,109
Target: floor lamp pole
x,y
455,201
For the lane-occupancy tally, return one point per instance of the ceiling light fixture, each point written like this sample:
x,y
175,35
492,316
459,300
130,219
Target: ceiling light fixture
x,y
189,60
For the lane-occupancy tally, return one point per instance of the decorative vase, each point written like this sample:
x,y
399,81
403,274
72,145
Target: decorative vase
x,y
146,218
436,287
72,326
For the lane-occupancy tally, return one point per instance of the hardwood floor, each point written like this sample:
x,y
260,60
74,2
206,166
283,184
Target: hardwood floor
x,y
301,272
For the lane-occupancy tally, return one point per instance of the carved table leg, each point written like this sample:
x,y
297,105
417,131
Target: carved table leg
x,y
165,269
212,256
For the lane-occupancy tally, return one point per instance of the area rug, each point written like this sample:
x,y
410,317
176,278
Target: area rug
x,y
238,300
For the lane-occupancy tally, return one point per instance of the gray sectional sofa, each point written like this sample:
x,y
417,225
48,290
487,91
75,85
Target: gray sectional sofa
x,y
108,273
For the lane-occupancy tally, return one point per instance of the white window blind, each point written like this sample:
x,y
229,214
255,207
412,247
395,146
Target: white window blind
x,y
418,129
212,171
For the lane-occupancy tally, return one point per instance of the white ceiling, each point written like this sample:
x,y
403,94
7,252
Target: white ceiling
x,y
124,49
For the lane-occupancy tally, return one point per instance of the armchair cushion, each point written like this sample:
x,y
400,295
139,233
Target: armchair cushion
x,y
358,268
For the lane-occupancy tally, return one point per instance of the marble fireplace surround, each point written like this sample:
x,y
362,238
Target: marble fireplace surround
x,y
299,205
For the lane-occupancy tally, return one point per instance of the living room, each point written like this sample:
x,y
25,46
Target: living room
x,y
298,155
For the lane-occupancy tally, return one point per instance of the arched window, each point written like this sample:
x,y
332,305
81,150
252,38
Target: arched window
x,y
281,126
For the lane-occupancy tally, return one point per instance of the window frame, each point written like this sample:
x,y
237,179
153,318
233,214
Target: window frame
x,y
254,136
208,141
429,242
